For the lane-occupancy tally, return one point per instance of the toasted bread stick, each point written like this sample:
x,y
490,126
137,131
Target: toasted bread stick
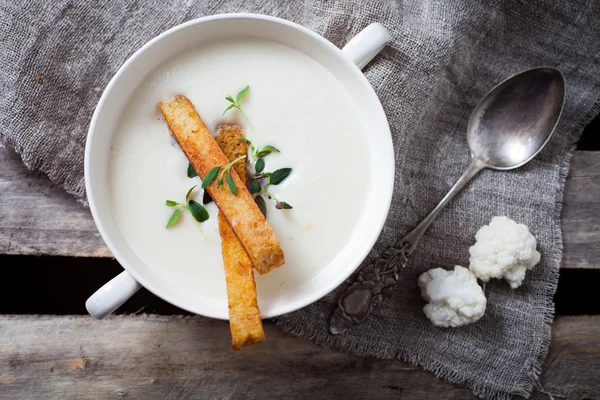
x,y
241,212
244,316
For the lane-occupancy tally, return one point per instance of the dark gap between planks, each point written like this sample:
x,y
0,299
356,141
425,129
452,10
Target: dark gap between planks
x,y
60,285
590,139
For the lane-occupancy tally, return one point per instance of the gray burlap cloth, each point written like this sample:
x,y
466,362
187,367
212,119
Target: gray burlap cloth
x,y
443,57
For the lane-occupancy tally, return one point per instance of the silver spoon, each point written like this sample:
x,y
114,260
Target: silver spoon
x,y
508,127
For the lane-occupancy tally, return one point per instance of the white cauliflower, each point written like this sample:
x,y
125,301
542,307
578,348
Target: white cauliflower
x,y
455,298
503,249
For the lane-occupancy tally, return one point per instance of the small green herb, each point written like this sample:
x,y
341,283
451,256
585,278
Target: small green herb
x,y
254,186
259,183
191,172
279,176
271,149
198,211
231,184
242,93
228,108
187,195
262,206
224,170
260,165
210,177
206,198
173,218
236,103
265,151
282,205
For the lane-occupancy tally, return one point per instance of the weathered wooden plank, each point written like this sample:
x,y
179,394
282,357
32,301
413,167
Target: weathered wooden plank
x,y
572,368
153,357
581,212
38,218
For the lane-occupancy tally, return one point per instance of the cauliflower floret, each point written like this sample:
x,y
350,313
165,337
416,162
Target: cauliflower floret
x,y
455,298
503,249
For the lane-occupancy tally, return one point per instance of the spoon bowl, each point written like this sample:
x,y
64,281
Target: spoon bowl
x,y
514,121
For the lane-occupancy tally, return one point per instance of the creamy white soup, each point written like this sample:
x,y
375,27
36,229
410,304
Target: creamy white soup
x,y
294,104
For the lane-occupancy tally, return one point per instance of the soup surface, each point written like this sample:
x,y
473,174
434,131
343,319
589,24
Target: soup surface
x,y
294,104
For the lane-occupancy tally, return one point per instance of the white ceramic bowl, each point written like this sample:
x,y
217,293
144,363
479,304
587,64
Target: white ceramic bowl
x,y
345,64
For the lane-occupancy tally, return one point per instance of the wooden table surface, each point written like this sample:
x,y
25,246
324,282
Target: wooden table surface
x,y
174,357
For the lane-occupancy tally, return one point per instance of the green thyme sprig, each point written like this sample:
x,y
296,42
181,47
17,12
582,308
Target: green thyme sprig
x,y
259,153
255,151
191,172
222,171
260,182
235,103
196,209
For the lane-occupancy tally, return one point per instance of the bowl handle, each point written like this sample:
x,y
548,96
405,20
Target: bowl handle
x,y
363,47
112,295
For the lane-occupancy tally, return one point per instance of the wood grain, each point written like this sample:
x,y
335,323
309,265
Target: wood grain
x,y
39,218
153,357
572,368
581,212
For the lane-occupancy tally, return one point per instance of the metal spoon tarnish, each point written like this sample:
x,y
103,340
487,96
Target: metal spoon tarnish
x,y
508,127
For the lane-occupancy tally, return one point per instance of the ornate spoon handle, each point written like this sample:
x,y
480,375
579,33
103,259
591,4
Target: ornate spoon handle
x,y
359,299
